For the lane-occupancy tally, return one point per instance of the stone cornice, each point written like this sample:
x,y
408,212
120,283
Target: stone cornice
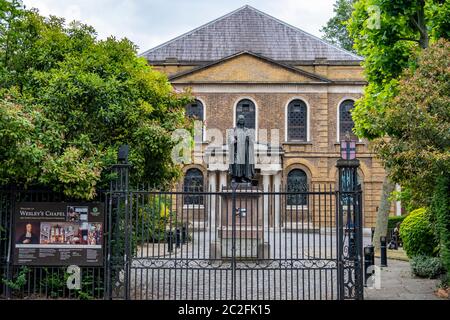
x,y
294,88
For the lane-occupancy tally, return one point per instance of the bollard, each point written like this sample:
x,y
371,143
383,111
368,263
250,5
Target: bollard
x,y
352,246
170,241
178,238
383,253
369,261
184,235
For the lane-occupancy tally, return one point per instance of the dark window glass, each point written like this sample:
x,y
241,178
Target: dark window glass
x,y
195,110
193,182
297,121
248,109
297,182
346,123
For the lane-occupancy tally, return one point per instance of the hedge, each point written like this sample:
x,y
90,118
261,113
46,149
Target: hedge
x,y
417,234
441,213
392,222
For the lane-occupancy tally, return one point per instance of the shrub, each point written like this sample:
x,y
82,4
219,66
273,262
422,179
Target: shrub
x,y
445,281
441,213
417,234
392,222
154,219
426,267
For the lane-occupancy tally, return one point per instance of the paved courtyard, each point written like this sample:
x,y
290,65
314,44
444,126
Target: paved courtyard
x,y
303,268
397,283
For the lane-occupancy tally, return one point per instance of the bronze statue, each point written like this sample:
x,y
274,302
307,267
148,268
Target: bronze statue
x,y
241,144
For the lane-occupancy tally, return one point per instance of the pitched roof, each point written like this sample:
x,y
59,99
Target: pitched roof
x,y
248,29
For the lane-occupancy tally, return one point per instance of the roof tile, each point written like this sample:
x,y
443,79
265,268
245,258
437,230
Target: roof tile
x,y
248,29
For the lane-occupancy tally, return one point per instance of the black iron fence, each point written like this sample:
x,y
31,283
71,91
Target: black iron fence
x,y
238,243
263,249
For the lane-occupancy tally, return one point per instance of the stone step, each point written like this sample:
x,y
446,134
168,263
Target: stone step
x,y
300,227
198,226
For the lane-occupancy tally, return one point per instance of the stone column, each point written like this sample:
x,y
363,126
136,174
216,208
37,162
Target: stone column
x,y
277,188
223,180
222,184
266,188
212,187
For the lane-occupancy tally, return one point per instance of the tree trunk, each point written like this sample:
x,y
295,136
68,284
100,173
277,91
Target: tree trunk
x,y
383,213
422,26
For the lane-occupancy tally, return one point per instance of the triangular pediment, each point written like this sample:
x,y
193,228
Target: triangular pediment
x,y
247,67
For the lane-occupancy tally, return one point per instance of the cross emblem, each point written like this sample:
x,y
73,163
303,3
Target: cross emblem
x,y
348,149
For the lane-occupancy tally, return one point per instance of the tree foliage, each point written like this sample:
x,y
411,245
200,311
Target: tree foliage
x,y
440,208
417,123
390,34
335,31
68,101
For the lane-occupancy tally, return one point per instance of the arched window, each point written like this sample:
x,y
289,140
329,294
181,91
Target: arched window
x,y
193,182
248,109
297,121
297,182
346,123
195,111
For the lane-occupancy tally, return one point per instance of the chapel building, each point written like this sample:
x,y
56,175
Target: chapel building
x,y
291,86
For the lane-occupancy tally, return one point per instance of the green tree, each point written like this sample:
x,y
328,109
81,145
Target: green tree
x,y
68,101
390,35
440,208
335,31
416,148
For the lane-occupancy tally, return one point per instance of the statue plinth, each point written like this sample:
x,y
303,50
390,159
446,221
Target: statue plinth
x,y
242,209
248,230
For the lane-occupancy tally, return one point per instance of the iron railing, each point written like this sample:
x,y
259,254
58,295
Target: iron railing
x,y
237,243
264,249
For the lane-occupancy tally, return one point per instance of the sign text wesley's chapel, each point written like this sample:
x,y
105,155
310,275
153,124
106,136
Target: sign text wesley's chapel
x,y
59,234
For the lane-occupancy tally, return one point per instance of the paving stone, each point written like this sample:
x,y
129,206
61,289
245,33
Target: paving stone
x,y
397,283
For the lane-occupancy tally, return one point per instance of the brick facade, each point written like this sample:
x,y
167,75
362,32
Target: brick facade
x,y
322,84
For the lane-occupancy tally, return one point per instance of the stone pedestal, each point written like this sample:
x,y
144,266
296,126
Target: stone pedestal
x,y
249,224
215,250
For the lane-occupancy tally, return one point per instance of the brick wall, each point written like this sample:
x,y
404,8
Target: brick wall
x,y
317,157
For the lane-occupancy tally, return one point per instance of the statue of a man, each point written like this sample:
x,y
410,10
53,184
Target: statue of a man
x,y
241,144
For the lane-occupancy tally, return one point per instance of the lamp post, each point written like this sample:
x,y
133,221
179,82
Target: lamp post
x,y
122,155
350,218
348,181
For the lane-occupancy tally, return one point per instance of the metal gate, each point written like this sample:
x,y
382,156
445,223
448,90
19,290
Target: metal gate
x,y
240,243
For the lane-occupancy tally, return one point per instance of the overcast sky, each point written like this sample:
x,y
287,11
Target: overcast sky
x,y
149,23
